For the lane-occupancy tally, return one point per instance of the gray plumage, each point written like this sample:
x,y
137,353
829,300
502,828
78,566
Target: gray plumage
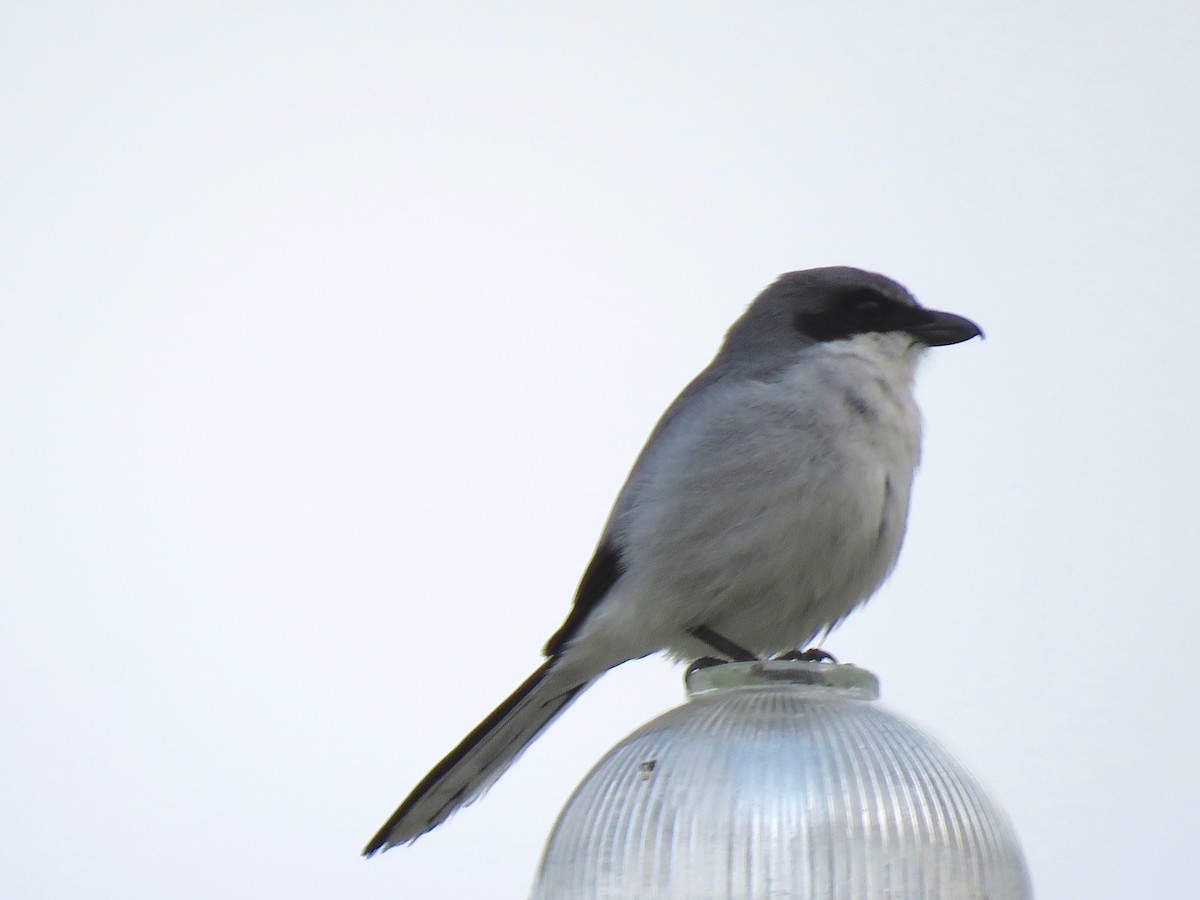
x,y
769,501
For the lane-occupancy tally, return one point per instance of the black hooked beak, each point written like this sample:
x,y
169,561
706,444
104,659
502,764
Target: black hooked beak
x,y
938,329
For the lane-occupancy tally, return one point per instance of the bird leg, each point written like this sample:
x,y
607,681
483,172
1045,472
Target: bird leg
x,y
722,644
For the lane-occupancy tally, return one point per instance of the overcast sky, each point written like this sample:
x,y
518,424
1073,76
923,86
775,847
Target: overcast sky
x,y
330,331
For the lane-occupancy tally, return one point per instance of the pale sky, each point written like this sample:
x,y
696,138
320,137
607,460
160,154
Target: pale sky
x,y
331,330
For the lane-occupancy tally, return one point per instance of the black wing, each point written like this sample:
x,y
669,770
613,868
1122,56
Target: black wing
x,y
599,577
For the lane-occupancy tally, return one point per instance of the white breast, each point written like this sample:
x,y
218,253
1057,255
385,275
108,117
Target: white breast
x,y
774,507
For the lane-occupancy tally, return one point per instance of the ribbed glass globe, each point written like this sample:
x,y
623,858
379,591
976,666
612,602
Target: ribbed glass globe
x,y
780,781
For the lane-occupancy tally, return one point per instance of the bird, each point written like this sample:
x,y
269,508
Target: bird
x,y
769,501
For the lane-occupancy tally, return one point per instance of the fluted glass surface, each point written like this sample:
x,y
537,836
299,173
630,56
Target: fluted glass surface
x,y
776,781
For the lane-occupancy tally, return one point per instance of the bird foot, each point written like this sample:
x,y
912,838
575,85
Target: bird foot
x,y
812,654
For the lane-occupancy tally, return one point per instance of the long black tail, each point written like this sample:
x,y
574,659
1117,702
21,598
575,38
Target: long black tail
x,y
481,757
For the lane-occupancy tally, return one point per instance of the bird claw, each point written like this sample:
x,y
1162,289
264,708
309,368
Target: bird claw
x,y
812,654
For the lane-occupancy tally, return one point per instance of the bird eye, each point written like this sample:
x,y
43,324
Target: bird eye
x,y
868,306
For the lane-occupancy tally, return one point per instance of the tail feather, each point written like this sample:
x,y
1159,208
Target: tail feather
x,y
468,770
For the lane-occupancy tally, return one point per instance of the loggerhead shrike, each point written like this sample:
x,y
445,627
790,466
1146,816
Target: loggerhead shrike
x,y
769,501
